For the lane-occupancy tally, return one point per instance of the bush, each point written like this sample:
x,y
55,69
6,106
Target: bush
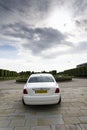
x,y
58,79
21,80
63,78
1,78
6,78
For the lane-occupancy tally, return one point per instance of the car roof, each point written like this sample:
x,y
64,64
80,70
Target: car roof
x,y
40,74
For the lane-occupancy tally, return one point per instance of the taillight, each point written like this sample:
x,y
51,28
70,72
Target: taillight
x,y
57,90
25,91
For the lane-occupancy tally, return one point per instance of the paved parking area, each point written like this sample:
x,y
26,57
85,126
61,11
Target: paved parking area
x,y
70,115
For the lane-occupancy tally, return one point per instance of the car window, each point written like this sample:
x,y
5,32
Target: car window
x,y
41,79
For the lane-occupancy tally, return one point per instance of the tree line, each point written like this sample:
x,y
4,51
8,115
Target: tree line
x,y
28,73
76,72
7,73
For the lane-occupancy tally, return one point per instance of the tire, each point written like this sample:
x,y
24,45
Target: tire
x,y
59,101
23,101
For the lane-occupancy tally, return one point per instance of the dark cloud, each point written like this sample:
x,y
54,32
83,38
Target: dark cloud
x,y
37,39
79,48
82,46
37,10
79,7
85,29
77,22
23,10
17,30
81,23
18,15
85,21
45,38
11,5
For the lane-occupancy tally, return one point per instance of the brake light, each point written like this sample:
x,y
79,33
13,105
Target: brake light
x,y
57,90
25,91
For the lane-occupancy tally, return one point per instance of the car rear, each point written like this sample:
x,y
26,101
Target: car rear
x,y
40,93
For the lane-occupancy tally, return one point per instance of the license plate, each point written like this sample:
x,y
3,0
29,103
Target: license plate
x,y
40,91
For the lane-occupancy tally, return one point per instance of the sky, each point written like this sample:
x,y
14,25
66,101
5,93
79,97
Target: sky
x,y
42,35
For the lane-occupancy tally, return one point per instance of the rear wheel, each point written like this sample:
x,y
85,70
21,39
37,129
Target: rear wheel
x,y
23,101
59,101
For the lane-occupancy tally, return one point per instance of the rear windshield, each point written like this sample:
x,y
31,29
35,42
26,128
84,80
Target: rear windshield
x,y
41,79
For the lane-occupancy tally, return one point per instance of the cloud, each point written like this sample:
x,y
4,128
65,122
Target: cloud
x,y
41,6
85,21
81,47
85,29
35,39
81,24
78,48
43,39
81,21
35,11
78,23
23,10
22,24
79,7
44,42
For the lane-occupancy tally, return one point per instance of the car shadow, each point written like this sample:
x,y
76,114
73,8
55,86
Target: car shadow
x,y
41,108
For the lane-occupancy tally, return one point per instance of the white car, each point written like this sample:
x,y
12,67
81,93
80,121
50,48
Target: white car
x,y
41,89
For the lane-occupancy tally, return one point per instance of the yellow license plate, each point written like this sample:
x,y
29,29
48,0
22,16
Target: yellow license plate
x,y
40,91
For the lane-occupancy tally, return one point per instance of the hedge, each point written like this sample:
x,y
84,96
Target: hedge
x,y
21,80
61,79
58,79
7,78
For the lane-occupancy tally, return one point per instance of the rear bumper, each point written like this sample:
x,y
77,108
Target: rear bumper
x,y
41,100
